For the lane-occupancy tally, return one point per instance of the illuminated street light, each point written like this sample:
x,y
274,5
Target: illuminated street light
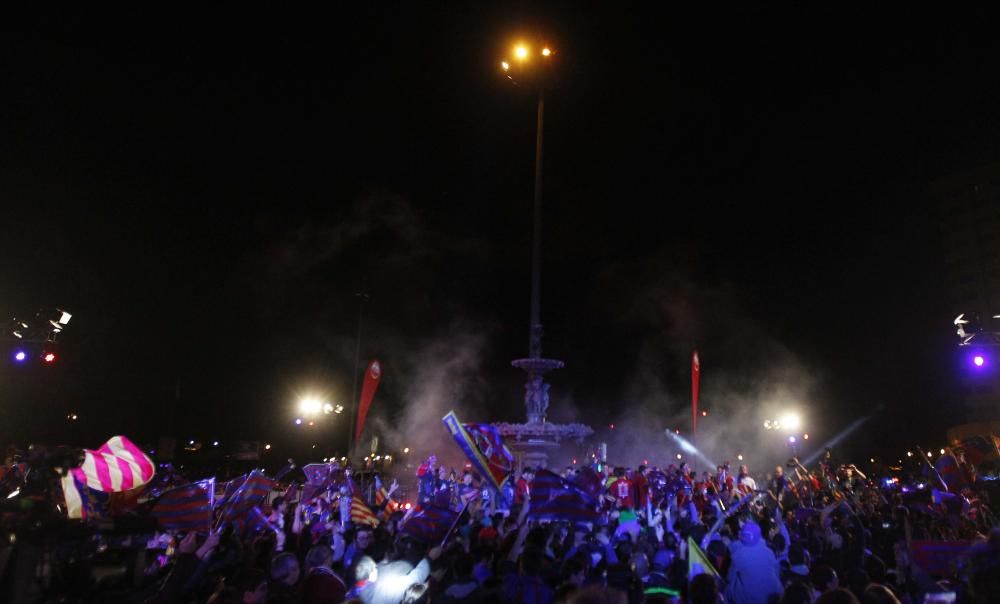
x,y
521,52
739,457
909,453
942,451
790,422
267,447
310,406
546,52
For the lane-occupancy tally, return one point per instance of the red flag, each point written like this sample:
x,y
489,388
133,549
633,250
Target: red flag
x,y
372,376
695,378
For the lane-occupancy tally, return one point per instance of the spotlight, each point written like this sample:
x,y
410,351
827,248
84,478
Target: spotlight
x,y
739,457
978,360
679,456
267,447
20,355
790,421
215,443
298,421
791,439
49,357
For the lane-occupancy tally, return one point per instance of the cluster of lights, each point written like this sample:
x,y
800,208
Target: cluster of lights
x,y
522,54
21,356
788,422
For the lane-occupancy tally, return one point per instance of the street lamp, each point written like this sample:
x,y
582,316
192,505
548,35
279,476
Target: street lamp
x,y
523,71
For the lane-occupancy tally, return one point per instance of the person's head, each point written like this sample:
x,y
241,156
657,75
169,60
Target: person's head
x,y
574,572
837,596
662,560
366,570
364,538
598,595
750,533
279,504
416,594
463,566
703,589
879,594
529,474
823,578
251,585
779,471
640,564
744,470
319,556
532,561
797,592
643,469
467,479
285,569
798,555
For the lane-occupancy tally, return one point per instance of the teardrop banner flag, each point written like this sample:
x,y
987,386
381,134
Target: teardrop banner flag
x,y
372,376
695,379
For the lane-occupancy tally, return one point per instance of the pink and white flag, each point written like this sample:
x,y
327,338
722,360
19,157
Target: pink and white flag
x,y
118,466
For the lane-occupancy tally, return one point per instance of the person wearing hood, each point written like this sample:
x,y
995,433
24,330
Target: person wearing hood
x,y
754,574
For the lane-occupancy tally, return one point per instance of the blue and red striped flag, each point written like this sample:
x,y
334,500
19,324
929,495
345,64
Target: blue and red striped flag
x,y
978,449
251,493
484,447
228,490
316,473
429,524
186,508
253,522
118,466
556,498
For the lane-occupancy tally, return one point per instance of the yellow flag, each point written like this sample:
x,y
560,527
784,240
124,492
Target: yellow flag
x,y
698,563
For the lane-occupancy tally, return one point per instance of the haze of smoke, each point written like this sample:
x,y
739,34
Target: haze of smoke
x,y
762,379
442,375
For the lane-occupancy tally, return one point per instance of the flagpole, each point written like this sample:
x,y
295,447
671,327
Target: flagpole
x,y
362,298
455,523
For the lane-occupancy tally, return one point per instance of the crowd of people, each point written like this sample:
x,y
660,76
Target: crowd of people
x,y
827,534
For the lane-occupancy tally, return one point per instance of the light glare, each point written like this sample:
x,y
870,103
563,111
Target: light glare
x,y
521,52
791,421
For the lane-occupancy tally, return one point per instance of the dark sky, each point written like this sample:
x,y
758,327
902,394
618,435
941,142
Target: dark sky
x,y
206,192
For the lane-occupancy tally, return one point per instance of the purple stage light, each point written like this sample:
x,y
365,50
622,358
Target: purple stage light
x,y
791,439
20,355
978,360
298,421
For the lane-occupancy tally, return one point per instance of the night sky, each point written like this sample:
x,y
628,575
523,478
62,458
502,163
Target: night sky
x,y
207,192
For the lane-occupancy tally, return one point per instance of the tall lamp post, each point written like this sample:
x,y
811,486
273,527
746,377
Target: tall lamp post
x,y
530,67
